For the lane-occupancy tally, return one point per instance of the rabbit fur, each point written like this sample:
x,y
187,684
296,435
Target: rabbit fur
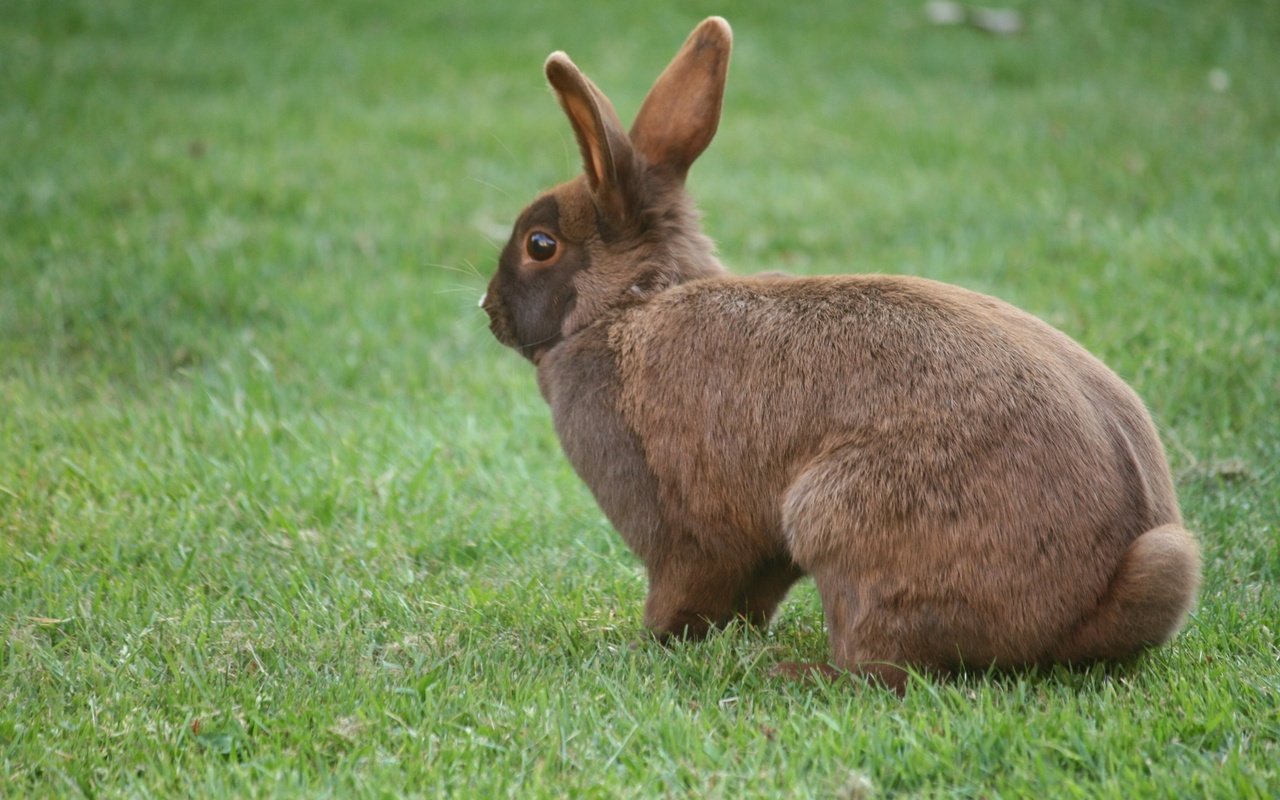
x,y
965,484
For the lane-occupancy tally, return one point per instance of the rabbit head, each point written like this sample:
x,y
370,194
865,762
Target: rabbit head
x,y
625,229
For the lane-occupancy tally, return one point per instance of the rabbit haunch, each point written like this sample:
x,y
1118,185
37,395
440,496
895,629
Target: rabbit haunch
x,y
966,484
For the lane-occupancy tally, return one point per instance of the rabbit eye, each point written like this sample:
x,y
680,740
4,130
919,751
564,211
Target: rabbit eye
x,y
542,246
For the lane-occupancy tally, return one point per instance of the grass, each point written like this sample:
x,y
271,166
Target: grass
x,y
279,517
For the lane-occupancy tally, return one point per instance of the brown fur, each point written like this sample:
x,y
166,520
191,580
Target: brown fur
x,y
965,484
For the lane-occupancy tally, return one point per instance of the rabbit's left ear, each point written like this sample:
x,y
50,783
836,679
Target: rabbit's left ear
x,y
606,151
680,115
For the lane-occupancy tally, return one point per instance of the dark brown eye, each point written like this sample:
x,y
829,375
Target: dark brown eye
x,y
542,246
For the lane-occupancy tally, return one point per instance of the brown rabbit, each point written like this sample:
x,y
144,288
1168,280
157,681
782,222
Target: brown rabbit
x,y
966,484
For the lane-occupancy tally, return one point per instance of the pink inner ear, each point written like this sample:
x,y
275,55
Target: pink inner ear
x,y
586,124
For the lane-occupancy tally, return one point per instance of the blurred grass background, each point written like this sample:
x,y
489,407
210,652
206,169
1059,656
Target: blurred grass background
x,y
278,516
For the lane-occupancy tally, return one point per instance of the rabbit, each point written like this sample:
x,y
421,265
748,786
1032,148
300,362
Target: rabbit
x,y
966,485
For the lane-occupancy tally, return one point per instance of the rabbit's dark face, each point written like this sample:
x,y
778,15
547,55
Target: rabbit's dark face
x,y
533,290
569,261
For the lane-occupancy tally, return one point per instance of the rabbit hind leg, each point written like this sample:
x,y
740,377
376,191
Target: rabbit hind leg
x,y
864,643
880,624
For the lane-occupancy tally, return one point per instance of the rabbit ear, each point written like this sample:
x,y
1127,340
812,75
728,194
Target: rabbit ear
x,y
682,110
606,151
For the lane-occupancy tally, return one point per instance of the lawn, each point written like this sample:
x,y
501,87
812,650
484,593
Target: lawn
x,y
279,517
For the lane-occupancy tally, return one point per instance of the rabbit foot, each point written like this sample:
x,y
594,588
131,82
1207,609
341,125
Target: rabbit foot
x,y
805,673
888,676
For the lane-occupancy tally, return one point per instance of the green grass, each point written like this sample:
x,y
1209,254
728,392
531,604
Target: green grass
x,y
279,517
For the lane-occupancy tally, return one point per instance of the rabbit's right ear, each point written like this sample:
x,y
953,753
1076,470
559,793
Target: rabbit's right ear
x,y
606,150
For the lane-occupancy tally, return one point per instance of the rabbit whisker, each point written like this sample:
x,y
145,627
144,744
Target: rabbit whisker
x,y
503,145
552,337
492,186
455,290
451,268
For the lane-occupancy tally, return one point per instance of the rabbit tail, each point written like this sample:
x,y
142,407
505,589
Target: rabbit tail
x,y
1150,595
